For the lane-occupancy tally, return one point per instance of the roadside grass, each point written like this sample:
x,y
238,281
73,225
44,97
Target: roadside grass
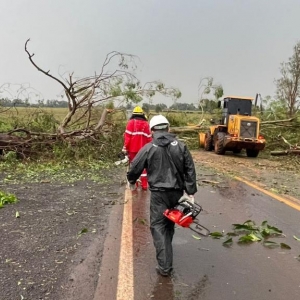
x,y
15,113
7,198
30,116
43,119
54,171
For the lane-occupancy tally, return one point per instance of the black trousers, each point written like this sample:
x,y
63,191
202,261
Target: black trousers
x,y
162,229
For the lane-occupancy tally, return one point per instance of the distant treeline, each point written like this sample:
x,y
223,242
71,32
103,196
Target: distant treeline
x,y
207,105
25,103
160,107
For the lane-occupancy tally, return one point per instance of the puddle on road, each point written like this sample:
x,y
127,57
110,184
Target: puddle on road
x,y
163,289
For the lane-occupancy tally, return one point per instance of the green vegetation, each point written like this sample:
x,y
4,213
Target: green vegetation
x,y
288,86
249,232
54,171
7,198
46,120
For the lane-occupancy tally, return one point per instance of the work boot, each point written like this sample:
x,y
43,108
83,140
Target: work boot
x,y
161,272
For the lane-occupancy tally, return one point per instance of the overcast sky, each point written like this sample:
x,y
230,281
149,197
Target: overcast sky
x,y
240,43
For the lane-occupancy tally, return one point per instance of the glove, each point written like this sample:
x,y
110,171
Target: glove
x,y
189,198
122,161
125,159
124,150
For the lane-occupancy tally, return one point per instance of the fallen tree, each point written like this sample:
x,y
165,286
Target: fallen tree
x,y
293,149
285,152
277,121
86,116
83,94
20,145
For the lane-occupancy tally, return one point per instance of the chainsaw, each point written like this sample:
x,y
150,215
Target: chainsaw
x,y
184,214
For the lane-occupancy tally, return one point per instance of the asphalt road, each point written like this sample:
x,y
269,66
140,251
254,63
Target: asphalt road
x,y
203,269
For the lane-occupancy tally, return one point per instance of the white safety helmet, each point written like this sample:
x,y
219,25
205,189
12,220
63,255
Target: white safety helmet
x,y
159,122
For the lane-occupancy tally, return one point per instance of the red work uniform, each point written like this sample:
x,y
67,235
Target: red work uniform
x,y
136,136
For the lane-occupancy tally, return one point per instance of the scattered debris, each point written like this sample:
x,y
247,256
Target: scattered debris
x,y
297,239
142,221
209,181
249,232
293,149
82,231
204,249
216,235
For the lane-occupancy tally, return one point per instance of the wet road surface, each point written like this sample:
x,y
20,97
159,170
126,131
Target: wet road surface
x,y
204,269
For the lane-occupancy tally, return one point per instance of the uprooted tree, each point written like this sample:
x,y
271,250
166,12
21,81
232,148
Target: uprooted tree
x,y
89,94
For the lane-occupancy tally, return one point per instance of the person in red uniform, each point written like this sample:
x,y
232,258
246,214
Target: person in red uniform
x,y
137,135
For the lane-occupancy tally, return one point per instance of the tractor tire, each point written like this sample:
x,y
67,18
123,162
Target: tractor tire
x,y
252,152
219,143
208,142
237,151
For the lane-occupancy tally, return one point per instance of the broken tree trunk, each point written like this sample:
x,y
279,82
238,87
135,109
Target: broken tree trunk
x,y
285,152
16,144
277,121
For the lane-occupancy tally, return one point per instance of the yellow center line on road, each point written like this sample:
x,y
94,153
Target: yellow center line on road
x,y
292,203
125,289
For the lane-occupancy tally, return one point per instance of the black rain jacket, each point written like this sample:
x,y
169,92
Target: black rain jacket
x,y
168,162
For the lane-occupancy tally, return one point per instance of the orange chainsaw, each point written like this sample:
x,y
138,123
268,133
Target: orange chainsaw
x,y
184,214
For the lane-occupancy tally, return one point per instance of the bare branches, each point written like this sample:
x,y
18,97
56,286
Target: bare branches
x,y
17,91
85,93
41,70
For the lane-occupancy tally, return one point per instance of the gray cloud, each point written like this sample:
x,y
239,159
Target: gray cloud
x,y
240,43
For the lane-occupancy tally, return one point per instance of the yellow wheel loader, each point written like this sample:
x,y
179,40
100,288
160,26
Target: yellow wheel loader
x,y
237,129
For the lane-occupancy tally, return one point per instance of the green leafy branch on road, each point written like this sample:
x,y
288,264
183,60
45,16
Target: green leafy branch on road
x,y
81,232
7,198
249,232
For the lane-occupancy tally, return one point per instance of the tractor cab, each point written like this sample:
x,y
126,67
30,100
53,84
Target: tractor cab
x,y
233,105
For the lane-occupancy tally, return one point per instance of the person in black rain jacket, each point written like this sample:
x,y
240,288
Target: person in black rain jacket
x,y
171,178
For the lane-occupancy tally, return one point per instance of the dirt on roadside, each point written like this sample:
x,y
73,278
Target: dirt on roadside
x,y
279,175
53,249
